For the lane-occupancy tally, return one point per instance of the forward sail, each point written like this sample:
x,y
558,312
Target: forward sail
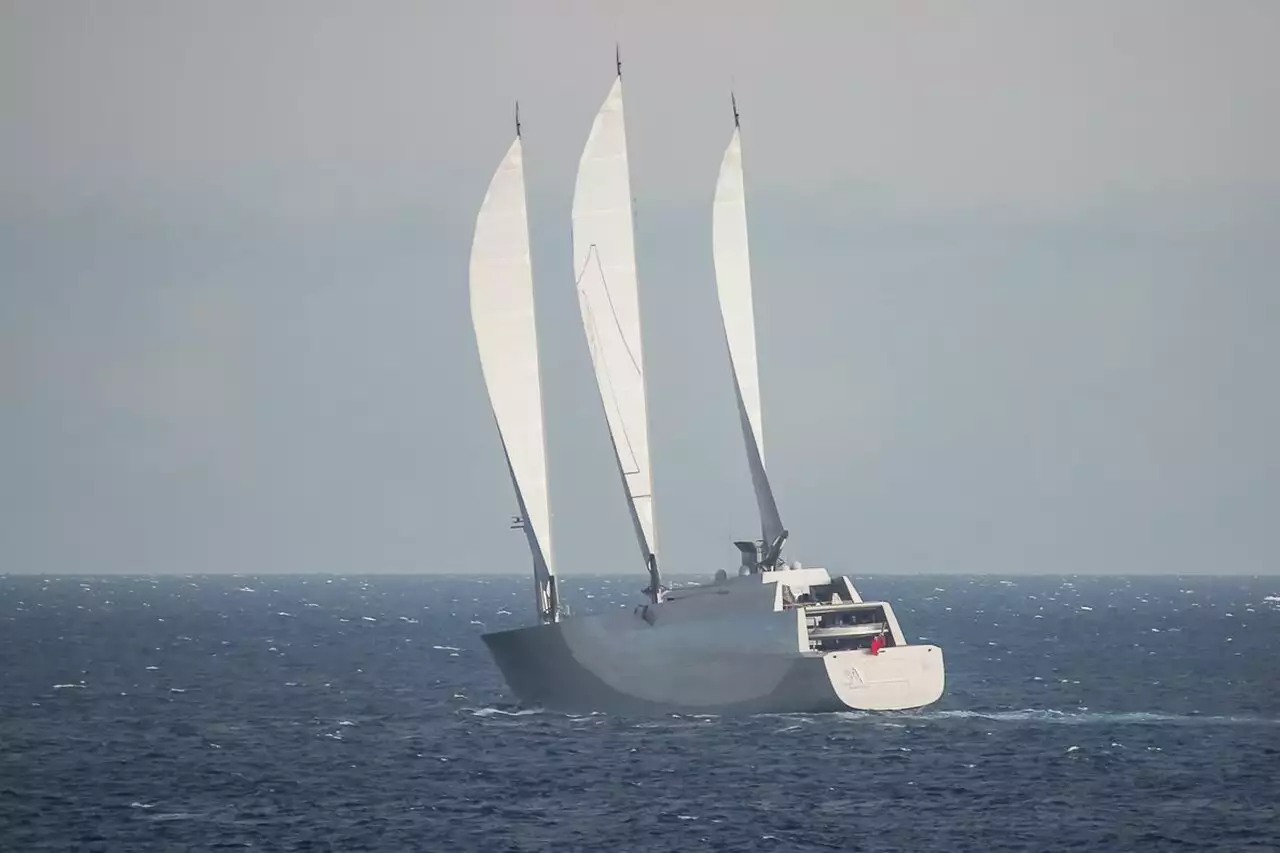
x,y
604,260
733,286
503,316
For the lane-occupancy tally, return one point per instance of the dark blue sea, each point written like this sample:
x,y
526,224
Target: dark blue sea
x,y
291,713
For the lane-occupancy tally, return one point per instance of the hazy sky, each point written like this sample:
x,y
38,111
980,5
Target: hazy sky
x,y
1016,276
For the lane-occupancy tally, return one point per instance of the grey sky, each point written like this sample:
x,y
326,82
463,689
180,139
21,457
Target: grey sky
x,y
1015,268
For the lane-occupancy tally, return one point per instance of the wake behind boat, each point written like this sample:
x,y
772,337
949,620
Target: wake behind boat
x,y
774,638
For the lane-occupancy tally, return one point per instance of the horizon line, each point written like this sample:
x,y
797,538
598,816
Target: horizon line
x,y
524,575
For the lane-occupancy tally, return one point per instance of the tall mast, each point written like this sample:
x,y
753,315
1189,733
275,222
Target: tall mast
x,y
605,267
737,311
502,314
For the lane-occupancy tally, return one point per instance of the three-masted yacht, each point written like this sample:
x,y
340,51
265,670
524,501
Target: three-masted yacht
x,y
772,637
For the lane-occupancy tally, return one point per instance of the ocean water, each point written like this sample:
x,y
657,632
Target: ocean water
x,y
351,714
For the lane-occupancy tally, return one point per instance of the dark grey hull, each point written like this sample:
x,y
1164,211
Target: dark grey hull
x,y
586,665
541,670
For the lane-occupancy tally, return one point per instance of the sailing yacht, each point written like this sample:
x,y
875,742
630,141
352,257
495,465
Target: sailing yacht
x,y
772,638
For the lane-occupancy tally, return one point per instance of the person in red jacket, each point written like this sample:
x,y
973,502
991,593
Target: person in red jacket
x,y
877,643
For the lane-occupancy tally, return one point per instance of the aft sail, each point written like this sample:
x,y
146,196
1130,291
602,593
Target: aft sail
x,y
733,285
503,316
604,259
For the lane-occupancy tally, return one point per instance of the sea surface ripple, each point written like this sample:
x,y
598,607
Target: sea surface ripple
x,y
316,713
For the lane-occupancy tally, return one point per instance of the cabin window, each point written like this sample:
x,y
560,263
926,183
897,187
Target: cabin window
x,y
850,627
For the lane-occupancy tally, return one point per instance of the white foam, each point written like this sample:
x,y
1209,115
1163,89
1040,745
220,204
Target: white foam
x,y
1085,717
499,712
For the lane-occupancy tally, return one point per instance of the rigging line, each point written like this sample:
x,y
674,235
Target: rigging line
x,y
613,391
593,337
593,251
540,564
592,341
614,311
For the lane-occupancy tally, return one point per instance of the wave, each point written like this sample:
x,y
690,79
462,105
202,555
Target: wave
x,y
503,712
1040,715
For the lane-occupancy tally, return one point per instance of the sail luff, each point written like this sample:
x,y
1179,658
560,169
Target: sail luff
x,y
605,268
732,257
502,314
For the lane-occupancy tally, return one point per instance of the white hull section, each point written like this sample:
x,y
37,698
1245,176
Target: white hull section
x,y
894,680
716,649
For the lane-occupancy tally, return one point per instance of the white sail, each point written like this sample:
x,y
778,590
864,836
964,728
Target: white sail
x,y
605,263
733,285
503,316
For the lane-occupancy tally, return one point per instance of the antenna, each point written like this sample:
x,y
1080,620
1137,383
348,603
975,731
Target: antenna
x,y
517,119
617,57
733,99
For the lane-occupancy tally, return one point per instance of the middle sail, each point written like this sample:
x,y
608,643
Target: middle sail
x,y
733,285
604,259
